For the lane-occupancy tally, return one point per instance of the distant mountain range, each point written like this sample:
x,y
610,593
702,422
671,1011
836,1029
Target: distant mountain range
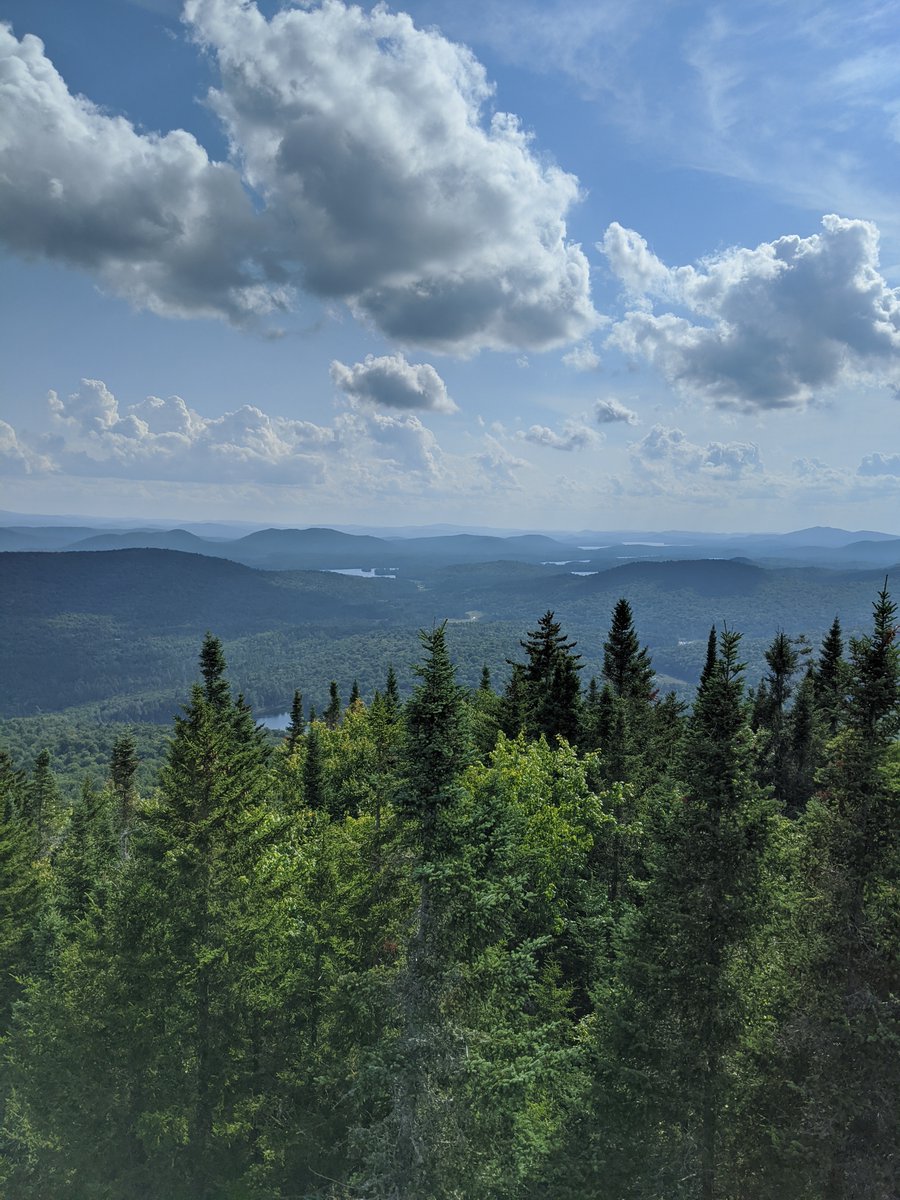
x,y
332,549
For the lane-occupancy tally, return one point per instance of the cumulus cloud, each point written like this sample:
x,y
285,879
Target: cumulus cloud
x,y
608,412
574,436
582,357
152,216
499,466
166,440
767,328
394,383
666,449
16,458
363,168
879,464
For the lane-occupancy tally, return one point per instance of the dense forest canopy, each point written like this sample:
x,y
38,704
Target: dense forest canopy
x,y
572,937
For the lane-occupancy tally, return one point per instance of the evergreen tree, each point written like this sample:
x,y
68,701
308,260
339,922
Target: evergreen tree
x,y
13,783
770,715
332,714
437,743
392,692
315,786
875,679
514,707
354,695
122,767
212,668
551,684
297,724
676,1024
709,665
86,852
405,1156
804,747
831,679
848,1026
22,894
43,805
626,664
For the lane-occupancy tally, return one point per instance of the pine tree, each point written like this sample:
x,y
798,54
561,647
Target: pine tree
x,y
354,695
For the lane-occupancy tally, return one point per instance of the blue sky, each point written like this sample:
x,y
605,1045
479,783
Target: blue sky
x,y
526,263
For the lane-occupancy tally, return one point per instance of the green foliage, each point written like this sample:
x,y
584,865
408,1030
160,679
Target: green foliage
x,y
403,955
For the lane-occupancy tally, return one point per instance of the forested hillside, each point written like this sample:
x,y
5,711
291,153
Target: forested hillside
x,y
570,938
113,633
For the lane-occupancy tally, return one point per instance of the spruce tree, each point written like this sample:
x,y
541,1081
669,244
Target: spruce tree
x,y
674,1028
315,787
626,664
392,692
709,665
297,724
86,852
831,679
22,897
122,768
437,744
332,714
405,1153
552,690
43,805
839,1123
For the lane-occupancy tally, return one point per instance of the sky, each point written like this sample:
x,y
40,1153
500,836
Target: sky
x,y
544,264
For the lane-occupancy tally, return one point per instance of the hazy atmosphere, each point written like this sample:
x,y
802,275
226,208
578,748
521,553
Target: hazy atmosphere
x,y
522,263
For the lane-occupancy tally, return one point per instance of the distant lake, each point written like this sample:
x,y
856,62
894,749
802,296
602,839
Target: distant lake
x,y
279,721
361,573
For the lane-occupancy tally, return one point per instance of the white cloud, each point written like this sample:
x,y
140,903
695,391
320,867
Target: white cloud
x,y
152,216
363,450
780,322
165,439
608,412
362,168
574,436
16,458
665,450
499,466
394,383
582,357
879,464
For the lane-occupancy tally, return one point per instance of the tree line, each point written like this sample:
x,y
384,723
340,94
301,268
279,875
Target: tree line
x,y
548,943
